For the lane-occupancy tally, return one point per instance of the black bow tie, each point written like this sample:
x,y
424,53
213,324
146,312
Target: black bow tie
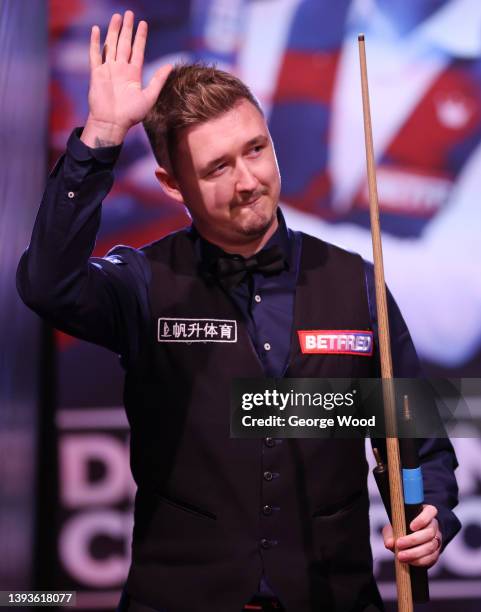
x,y
231,270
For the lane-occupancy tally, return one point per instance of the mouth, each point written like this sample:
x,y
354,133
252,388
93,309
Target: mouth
x,y
249,202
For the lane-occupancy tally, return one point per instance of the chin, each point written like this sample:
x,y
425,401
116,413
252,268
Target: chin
x,y
256,223
256,227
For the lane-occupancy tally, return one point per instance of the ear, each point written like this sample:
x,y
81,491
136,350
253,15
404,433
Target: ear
x,y
169,184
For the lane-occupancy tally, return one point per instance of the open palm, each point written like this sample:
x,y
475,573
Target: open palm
x,y
116,96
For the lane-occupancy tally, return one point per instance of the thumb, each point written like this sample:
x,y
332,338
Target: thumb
x,y
388,537
156,83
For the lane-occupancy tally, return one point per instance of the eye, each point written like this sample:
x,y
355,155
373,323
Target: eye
x,y
218,169
256,149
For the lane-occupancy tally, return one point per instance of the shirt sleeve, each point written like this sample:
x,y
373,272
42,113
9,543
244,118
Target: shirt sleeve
x,y
437,456
101,300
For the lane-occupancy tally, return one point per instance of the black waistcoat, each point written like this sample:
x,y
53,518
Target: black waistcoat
x,y
212,513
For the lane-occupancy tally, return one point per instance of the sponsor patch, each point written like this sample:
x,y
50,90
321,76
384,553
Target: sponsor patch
x,y
170,329
336,341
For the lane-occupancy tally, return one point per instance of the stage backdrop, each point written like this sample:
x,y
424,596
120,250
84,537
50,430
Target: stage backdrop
x,y
300,58
23,140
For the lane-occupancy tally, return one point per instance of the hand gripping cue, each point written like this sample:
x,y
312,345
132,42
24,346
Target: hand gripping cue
x,y
403,577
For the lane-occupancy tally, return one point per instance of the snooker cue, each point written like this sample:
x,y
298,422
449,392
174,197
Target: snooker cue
x,y
413,495
403,577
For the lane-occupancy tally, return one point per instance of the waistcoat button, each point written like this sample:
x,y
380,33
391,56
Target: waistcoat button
x,y
265,543
267,510
268,476
270,442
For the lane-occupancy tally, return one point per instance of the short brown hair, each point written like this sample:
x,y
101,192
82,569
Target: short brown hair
x,y
192,94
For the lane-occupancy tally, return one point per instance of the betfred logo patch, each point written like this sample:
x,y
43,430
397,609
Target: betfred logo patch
x,y
335,341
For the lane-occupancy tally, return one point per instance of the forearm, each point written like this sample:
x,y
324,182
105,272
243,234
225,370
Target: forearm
x,y
438,461
95,300
436,455
54,269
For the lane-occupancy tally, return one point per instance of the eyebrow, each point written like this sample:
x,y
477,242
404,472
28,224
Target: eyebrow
x,y
260,139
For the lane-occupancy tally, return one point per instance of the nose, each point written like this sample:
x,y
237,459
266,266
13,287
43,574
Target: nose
x,y
245,179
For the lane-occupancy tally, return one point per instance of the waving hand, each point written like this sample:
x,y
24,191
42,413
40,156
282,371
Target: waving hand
x,y
117,100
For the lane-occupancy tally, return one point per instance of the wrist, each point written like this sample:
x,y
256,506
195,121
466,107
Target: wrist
x,y
102,134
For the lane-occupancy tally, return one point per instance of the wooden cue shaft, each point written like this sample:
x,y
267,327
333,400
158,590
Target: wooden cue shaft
x,y
403,579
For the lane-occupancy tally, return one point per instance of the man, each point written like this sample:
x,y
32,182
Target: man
x,y
218,519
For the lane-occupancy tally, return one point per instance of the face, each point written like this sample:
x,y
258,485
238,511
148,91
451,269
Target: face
x,y
226,173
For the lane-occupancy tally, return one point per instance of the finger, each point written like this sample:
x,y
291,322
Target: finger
x,y
156,83
138,47
418,537
424,517
418,552
95,57
427,561
111,39
388,537
124,46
